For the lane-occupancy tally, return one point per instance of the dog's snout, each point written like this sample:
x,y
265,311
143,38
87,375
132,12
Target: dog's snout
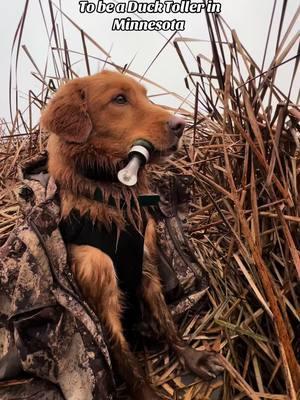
x,y
176,125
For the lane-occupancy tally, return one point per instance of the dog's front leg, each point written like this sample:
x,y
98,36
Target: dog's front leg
x,y
95,274
206,364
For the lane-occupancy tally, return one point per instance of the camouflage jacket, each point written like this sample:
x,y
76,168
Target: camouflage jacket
x,y
47,330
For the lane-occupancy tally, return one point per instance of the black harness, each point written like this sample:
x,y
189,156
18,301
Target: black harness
x,y
126,251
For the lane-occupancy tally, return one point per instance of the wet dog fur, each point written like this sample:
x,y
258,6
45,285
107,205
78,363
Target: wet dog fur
x,y
92,123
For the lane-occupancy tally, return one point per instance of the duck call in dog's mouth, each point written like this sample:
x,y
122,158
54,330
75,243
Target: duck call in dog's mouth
x,y
139,154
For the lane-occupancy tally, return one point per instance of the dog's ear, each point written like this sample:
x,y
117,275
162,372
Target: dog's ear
x,y
66,114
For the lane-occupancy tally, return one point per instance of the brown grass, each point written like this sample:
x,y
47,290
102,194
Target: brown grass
x,y
244,153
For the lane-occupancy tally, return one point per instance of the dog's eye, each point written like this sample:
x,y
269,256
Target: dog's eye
x,y
120,99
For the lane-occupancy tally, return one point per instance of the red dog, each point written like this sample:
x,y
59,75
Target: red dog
x,y
93,122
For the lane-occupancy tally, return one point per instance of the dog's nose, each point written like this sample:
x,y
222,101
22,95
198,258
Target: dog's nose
x,y
176,125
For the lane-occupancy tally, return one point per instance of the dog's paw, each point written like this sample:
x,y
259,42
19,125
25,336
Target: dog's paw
x,y
205,364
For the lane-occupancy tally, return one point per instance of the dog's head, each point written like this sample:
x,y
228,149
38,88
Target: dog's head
x,y
109,112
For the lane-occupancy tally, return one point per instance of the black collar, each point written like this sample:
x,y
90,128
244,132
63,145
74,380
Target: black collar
x,y
144,200
102,174
96,172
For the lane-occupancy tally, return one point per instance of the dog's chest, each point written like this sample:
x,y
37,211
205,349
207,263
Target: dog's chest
x,y
126,251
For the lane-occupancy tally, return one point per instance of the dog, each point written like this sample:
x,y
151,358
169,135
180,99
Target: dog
x,y
111,240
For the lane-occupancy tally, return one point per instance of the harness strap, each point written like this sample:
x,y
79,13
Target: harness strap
x,y
145,200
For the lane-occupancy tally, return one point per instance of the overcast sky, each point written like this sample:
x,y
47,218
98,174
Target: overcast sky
x,y
250,18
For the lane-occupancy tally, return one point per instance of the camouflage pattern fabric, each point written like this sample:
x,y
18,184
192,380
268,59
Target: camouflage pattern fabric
x,y
47,330
30,389
177,255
